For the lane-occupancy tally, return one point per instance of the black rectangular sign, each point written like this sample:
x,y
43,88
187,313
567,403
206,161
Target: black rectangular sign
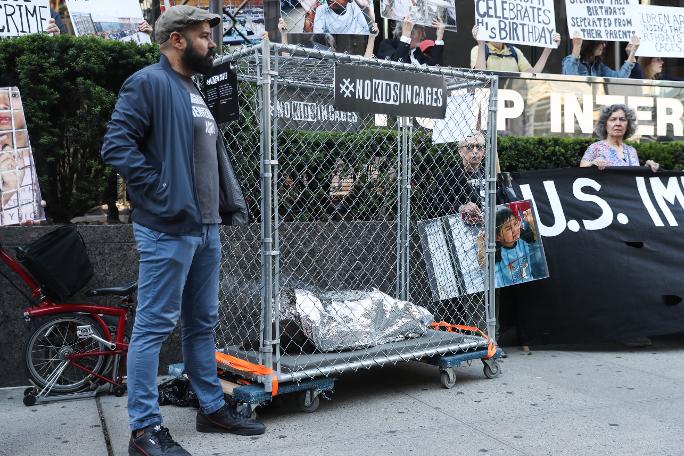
x,y
389,91
221,93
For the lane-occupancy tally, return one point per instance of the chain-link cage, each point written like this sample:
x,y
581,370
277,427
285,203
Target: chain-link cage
x,y
336,271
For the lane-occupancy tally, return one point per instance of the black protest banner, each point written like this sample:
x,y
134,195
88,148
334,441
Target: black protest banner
x,y
603,20
389,91
614,241
528,22
661,30
22,17
312,110
221,93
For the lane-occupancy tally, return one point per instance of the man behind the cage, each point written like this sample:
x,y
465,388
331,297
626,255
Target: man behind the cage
x,y
344,17
165,143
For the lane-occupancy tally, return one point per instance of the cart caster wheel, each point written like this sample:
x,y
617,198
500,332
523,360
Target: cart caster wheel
x,y
119,391
31,390
308,401
492,370
30,399
448,378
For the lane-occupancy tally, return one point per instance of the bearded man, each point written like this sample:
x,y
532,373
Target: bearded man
x,y
165,143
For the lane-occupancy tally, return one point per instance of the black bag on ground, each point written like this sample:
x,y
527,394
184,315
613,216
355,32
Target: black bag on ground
x,y
58,261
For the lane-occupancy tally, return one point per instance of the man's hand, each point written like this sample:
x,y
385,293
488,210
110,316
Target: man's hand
x,y
556,38
632,47
374,30
52,28
476,30
470,213
652,165
145,27
282,25
576,44
439,25
407,27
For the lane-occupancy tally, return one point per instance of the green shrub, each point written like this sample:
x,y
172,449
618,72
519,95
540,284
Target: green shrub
x,y
69,86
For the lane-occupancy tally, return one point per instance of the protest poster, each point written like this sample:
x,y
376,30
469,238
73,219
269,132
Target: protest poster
x,y
661,30
22,17
221,93
389,91
454,251
328,17
19,190
527,22
602,20
112,20
423,12
459,120
243,22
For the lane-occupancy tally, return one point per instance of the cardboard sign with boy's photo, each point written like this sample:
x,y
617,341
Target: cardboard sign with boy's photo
x,y
19,190
454,251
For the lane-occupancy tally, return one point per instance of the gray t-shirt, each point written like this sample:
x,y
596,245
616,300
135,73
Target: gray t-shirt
x,y
205,156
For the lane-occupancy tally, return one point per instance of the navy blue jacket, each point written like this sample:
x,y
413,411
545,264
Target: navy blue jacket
x,y
149,141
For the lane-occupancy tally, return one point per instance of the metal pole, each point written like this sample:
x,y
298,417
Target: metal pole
x,y
266,213
276,217
216,6
402,211
490,202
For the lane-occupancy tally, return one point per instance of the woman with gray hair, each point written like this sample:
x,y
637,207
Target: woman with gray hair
x,y
615,124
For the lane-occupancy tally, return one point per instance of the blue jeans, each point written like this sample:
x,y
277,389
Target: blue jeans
x,y
178,277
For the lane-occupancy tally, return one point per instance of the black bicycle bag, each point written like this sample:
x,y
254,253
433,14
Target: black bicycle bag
x,y
58,261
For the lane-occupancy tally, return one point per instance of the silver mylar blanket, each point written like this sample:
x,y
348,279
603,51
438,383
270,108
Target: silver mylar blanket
x,y
349,320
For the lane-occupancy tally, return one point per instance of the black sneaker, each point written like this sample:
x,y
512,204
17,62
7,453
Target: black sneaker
x,y
227,419
155,441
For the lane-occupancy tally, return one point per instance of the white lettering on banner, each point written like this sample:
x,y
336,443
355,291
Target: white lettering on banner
x,y
22,17
391,92
217,78
559,223
661,30
503,111
313,112
528,22
566,110
606,217
666,192
602,19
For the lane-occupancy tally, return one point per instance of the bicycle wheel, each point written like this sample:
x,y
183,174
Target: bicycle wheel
x,y
46,350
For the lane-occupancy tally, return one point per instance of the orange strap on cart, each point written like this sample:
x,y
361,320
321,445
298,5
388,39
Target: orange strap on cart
x,y
245,366
452,328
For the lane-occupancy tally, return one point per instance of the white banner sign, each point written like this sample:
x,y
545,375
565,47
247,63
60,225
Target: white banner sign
x,y
21,17
602,20
527,22
661,30
116,20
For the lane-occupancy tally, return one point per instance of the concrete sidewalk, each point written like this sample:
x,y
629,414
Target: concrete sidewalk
x,y
611,401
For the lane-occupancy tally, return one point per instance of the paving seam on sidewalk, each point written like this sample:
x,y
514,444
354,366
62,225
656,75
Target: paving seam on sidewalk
x,y
103,424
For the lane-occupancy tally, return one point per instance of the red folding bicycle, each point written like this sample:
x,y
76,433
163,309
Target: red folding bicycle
x,y
76,350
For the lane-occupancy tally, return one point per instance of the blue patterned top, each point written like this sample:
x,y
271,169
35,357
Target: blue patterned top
x,y
608,153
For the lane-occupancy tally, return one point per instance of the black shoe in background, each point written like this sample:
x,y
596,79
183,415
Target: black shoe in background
x,y
227,419
155,441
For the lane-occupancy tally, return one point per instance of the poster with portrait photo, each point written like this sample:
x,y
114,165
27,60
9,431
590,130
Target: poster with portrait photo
x,y
328,17
423,12
19,190
519,256
454,251
117,20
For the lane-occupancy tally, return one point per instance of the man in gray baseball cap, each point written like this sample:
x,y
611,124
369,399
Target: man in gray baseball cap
x,y
166,144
